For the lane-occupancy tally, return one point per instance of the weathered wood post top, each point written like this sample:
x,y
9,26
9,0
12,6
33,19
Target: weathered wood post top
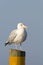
x,y
16,57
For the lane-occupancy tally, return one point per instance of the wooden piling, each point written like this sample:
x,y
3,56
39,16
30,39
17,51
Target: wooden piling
x,y
16,57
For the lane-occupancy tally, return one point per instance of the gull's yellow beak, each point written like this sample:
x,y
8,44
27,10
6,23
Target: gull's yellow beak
x,y
24,26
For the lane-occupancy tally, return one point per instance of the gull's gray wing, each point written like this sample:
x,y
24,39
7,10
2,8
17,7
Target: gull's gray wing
x,y
12,36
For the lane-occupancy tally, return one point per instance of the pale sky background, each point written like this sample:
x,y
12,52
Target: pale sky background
x,y
29,12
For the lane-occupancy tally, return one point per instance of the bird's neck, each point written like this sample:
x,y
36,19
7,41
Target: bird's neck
x,y
19,28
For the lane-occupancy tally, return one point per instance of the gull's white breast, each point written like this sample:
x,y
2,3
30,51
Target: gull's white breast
x,y
21,36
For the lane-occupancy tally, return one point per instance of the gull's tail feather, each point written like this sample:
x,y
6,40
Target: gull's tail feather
x,y
6,43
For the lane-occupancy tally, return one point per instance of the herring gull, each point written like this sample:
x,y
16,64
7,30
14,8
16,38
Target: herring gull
x,y
17,36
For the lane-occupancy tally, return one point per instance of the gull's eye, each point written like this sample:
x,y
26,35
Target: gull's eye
x,y
21,24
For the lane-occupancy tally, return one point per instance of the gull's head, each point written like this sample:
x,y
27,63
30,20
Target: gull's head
x,y
21,25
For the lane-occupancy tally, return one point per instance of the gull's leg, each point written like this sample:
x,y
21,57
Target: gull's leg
x,y
20,46
16,46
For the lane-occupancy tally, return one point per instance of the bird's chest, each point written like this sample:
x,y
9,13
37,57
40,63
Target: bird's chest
x,y
21,36
21,33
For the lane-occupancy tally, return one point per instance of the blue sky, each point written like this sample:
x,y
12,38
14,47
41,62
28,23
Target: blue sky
x,y
29,12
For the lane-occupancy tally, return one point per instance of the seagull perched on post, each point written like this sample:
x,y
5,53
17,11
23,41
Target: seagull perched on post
x,y
17,36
